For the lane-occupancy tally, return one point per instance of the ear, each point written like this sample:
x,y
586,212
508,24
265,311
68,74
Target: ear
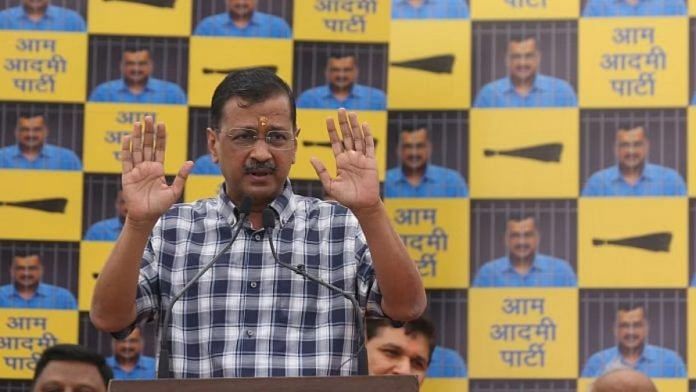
x,y
213,144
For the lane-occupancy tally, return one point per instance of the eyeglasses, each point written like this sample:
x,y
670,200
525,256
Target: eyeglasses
x,y
244,138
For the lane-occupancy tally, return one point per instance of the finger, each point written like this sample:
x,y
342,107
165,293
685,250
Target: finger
x,y
357,132
336,144
137,143
126,156
160,143
345,129
322,173
148,139
369,141
180,180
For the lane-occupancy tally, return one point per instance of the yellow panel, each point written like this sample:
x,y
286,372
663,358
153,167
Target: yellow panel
x,y
93,255
436,234
26,333
44,221
313,130
40,66
524,9
212,58
202,187
445,385
663,264
332,20
107,123
420,74
523,333
627,62
691,327
692,7
129,17
662,384
548,166
691,138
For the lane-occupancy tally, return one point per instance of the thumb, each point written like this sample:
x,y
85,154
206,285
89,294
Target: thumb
x,y
322,173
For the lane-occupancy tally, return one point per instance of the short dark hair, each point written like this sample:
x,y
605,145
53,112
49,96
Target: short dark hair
x,y
520,216
627,126
131,49
252,85
522,38
342,55
422,325
77,353
631,306
414,128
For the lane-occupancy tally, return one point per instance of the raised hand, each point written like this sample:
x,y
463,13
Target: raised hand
x,y
356,184
145,189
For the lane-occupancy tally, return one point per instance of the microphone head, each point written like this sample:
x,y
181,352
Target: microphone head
x,y
268,218
245,207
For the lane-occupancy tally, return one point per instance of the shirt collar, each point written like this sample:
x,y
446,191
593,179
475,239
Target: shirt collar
x,y
354,93
40,291
647,355
284,204
647,174
508,86
535,265
48,15
123,87
428,175
138,365
45,152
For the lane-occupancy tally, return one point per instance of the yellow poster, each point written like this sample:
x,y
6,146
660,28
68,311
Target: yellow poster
x,y
524,9
515,155
314,141
662,384
342,20
632,242
436,235
212,58
26,333
93,255
523,333
626,62
41,205
691,327
425,68
433,384
202,187
43,66
140,17
691,154
107,123
692,7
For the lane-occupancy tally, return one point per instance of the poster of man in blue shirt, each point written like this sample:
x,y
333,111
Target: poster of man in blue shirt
x,y
523,266
525,86
109,229
430,9
243,20
633,175
204,165
341,90
27,290
632,350
128,361
416,176
137,84
40,15
31,152
632,8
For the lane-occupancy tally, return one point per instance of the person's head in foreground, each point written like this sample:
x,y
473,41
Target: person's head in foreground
x,y
71,368
623,380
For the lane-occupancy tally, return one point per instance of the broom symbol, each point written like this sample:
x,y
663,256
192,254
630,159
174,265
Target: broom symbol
x,y
550,152
225,71
654,242
153,3
435,64
54,205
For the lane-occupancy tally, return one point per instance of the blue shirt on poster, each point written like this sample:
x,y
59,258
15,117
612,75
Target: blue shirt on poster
x,y
693,99
430,9
156,91
546,271
50,158
546,91
654,362
260,25
642,8
437,181
104,230
655,181
46,297
205,165
446,362
144,369
55,19
360,98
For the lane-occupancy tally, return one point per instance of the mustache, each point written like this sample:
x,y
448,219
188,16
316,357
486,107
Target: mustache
x,y
260,166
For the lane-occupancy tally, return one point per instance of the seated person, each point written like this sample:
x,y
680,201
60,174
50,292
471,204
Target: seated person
x,y
32,151
523,266
243,20
136,84
27,290
342,91
71,367
40,15
128,361
109,229
605,8
524,86
416,177
429,9
633,175
205,165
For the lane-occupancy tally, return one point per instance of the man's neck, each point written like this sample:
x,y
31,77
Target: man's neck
x,y
30,153
522,265
26,292
414,176
523,86
632,175
341,93
35,14
416,3
127,364
631,355
136,88
241,21
632,2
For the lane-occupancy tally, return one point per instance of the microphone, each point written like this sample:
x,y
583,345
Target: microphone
x,y
269,225
164,357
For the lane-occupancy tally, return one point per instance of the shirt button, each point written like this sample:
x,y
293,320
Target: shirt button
x,y
253,285
250,333
257,237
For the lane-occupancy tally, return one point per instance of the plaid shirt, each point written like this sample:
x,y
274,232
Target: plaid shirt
x,y
248,316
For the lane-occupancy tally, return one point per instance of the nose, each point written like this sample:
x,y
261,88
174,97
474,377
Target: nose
x,y
260,151
402,366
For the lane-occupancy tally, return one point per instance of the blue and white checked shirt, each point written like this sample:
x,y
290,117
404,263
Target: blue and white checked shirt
x,y
247,316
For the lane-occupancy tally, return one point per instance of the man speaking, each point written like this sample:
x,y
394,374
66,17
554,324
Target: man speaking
x,y
248,316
